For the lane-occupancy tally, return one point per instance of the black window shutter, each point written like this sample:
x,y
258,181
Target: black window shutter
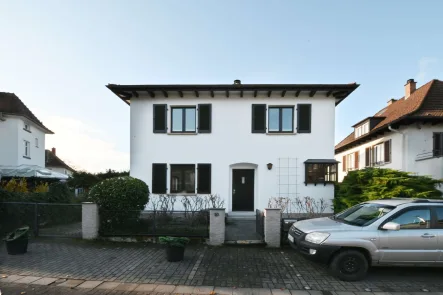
x,y
303,118
203,178
387,151
437,145
368,157
160,118
159,178
258,118
204,118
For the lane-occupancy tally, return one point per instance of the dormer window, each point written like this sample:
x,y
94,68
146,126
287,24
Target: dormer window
x,y
362,129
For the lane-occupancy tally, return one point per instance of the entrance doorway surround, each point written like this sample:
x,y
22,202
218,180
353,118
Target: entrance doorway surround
x,y
242,166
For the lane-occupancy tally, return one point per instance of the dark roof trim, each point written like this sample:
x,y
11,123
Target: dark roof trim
x,y
365,119
405,120
339,91
321,161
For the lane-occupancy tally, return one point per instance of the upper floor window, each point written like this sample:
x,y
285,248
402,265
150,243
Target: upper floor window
x,y
362,129
318,172
27,127
184,119
281,119
27,149
36,142
437,149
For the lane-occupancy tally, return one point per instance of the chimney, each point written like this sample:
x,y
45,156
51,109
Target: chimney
x,y
53,151
410,87
391,101
237,82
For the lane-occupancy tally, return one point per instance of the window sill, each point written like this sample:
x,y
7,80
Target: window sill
x,y
182,133
320,182
27,130
182,194
26,157
281,133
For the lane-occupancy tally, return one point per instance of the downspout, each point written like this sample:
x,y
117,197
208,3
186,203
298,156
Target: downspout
x,y
403,144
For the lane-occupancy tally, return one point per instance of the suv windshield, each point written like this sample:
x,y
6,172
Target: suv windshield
x,y
363,214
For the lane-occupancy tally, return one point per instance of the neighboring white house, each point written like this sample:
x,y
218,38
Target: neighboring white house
x,y
22,135
245,142
54,163
406,135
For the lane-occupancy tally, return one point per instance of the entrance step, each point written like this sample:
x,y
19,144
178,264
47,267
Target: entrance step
x,y
246,242
243,216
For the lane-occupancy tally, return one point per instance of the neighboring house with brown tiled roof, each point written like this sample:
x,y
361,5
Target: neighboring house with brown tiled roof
x,y
53,162
406,135
22,134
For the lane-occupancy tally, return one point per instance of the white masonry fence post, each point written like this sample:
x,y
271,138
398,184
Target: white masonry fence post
x,y
273,227
216,227
90,221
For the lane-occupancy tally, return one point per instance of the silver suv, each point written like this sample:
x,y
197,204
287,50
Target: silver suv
x,y
375,233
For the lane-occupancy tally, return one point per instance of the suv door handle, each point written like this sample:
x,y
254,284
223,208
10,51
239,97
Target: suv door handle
x,y
428,236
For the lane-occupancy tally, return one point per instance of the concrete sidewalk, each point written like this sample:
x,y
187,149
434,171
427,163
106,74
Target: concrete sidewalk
x,y
76,287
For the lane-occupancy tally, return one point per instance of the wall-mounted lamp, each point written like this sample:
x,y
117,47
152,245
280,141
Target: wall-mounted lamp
x,y
269,166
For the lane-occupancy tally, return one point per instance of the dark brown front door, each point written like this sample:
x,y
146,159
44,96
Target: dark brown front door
x,y
243,190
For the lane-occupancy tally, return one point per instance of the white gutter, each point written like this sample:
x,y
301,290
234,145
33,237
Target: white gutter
x,y
403,155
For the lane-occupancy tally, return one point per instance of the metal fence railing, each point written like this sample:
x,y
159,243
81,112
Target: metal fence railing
x,y
44,219
154,223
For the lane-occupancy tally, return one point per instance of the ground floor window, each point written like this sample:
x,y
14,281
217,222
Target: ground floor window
x,y
320,171
182,178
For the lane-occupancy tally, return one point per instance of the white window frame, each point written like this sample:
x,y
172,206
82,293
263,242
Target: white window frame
x,y
27,151
350,161
36,142
378,154
362,129
26,127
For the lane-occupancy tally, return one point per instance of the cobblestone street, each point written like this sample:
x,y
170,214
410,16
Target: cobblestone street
x,y
238,267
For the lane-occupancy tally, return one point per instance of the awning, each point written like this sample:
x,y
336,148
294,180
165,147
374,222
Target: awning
x,y
30,171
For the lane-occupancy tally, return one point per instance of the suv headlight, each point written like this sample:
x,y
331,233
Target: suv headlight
x,y
316,237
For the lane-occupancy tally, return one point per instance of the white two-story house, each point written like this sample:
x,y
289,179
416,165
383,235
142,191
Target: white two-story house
x,y
22,135
405,135
245,142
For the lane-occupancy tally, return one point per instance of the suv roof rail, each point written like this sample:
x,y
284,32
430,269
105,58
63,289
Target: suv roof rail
x,y
427,201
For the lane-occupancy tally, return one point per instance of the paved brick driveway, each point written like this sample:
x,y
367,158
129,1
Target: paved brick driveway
x,y
250,267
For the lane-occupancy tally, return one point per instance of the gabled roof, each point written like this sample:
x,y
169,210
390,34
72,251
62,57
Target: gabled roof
x,y
10,104
425,103
335,91
51,160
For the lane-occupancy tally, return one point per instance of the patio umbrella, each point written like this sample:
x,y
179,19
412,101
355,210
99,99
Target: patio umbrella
x,y
30,171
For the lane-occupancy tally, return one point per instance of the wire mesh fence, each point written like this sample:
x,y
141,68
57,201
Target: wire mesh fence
x,y
44,219
154,223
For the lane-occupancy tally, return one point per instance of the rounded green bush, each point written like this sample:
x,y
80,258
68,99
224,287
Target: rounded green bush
x,y
120,194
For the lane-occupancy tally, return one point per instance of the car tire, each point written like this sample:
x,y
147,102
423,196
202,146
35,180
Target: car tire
x,y
349,265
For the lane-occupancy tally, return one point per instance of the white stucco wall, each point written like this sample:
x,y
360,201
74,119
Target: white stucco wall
x,y
405,148
232,143
12,138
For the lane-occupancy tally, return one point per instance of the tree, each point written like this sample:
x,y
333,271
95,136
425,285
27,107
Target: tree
x,y
374,183
86,180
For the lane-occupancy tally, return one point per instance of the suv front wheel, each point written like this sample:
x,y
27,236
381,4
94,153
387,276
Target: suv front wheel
x,y
349,265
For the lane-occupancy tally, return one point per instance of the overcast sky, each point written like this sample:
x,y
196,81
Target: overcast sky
x,y
57,56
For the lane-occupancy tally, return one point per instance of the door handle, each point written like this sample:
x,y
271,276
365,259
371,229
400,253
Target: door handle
x,y
233,191
428,236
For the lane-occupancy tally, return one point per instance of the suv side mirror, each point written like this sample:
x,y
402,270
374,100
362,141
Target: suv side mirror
x,y
391,226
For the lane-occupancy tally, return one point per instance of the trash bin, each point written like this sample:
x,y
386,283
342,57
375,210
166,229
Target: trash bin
x,y
17,241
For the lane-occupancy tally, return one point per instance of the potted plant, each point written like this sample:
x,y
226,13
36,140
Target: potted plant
x,y
175,247
17,241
